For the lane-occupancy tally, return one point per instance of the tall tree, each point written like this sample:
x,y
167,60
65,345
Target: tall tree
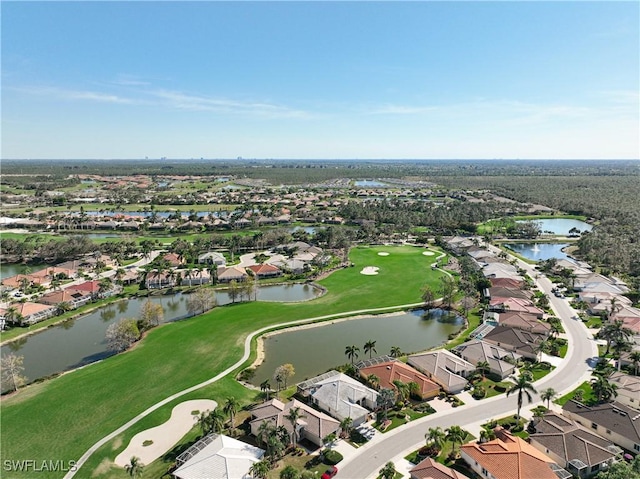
x,y
428,296
396,352
548,395
373,380
456,435
370,347
448,289
388,471
135,467
265,387
260,469
283,373
385,400
11,366
295,413
352,352
523,388
603,388
230,408
435,437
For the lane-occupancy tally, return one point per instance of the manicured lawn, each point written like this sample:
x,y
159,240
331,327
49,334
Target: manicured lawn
x,y
588,396
63,417
490,387
473,321
540,370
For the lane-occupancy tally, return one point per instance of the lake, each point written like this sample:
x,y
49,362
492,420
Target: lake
x,y
81,341
8,270
561,226
539,251
317,349
371,184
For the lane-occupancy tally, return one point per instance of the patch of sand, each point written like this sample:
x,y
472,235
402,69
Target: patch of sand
x,y
166,435
383,253
428,253
370,270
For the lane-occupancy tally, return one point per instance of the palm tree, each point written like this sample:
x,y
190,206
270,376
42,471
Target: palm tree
x,y
260,469
436,437
635,361
548,395
294,414
346,425
487,435
414,390
265,387
385,400
352,352
396,352
370,347
231,408
135,467
455,434
374,381
388,471
523,387
402,390
615,332
603,389
482,367
264,431
216,421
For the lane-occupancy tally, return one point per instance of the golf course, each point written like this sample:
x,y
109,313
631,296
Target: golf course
x,y
60,419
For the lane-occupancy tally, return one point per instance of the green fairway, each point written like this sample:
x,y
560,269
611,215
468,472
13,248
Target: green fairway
x,y
63,417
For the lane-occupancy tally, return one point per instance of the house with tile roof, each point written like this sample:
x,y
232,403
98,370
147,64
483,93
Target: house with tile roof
x,y
340,396
501,362
524,321
443,367
212,257
517,305
31,313
430,469
390,371
217,457
265,270
507,457
518,341
574,447
314,426
232,273
618,423
628,389
506,292
74,297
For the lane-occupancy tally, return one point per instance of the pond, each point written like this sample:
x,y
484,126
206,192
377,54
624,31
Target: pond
x,y
315,350
562,226
8,270
82,341
539,251
370,184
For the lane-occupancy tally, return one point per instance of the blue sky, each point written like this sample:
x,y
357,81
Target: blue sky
x,y
320,79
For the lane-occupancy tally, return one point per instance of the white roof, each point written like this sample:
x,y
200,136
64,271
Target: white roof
x,y
223,458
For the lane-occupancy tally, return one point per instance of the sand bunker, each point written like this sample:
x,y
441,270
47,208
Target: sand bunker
x,y
428,253
383,253
166,435
370,270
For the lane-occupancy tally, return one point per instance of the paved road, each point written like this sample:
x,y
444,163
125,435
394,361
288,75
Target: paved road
x,y
573,371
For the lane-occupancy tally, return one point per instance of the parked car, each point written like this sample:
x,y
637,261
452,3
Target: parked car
x,y
329,473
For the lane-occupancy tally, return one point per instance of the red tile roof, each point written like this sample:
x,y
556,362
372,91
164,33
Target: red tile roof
x,y
395,370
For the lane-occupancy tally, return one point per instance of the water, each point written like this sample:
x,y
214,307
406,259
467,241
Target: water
x,y
307,229
539,251
82,341
8,270
315,350
370,184
561,226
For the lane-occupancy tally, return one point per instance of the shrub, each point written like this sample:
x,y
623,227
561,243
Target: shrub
x,y
332,457
479,392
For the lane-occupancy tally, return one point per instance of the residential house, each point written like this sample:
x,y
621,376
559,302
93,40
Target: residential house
x,y
212,257
74,297
515,305
390,371
159,280
443,367
628,389
501,362
265,270
93,287
217,457
232,273
500,270
173,259
524,321
507,457
618,423
572,446
503,292
340,396
518,341
513,283
314,426
31,313
431,469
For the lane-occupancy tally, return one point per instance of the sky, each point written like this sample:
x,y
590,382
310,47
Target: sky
x,y
320,80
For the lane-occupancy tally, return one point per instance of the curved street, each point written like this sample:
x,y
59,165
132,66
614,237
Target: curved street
x,y
573,370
